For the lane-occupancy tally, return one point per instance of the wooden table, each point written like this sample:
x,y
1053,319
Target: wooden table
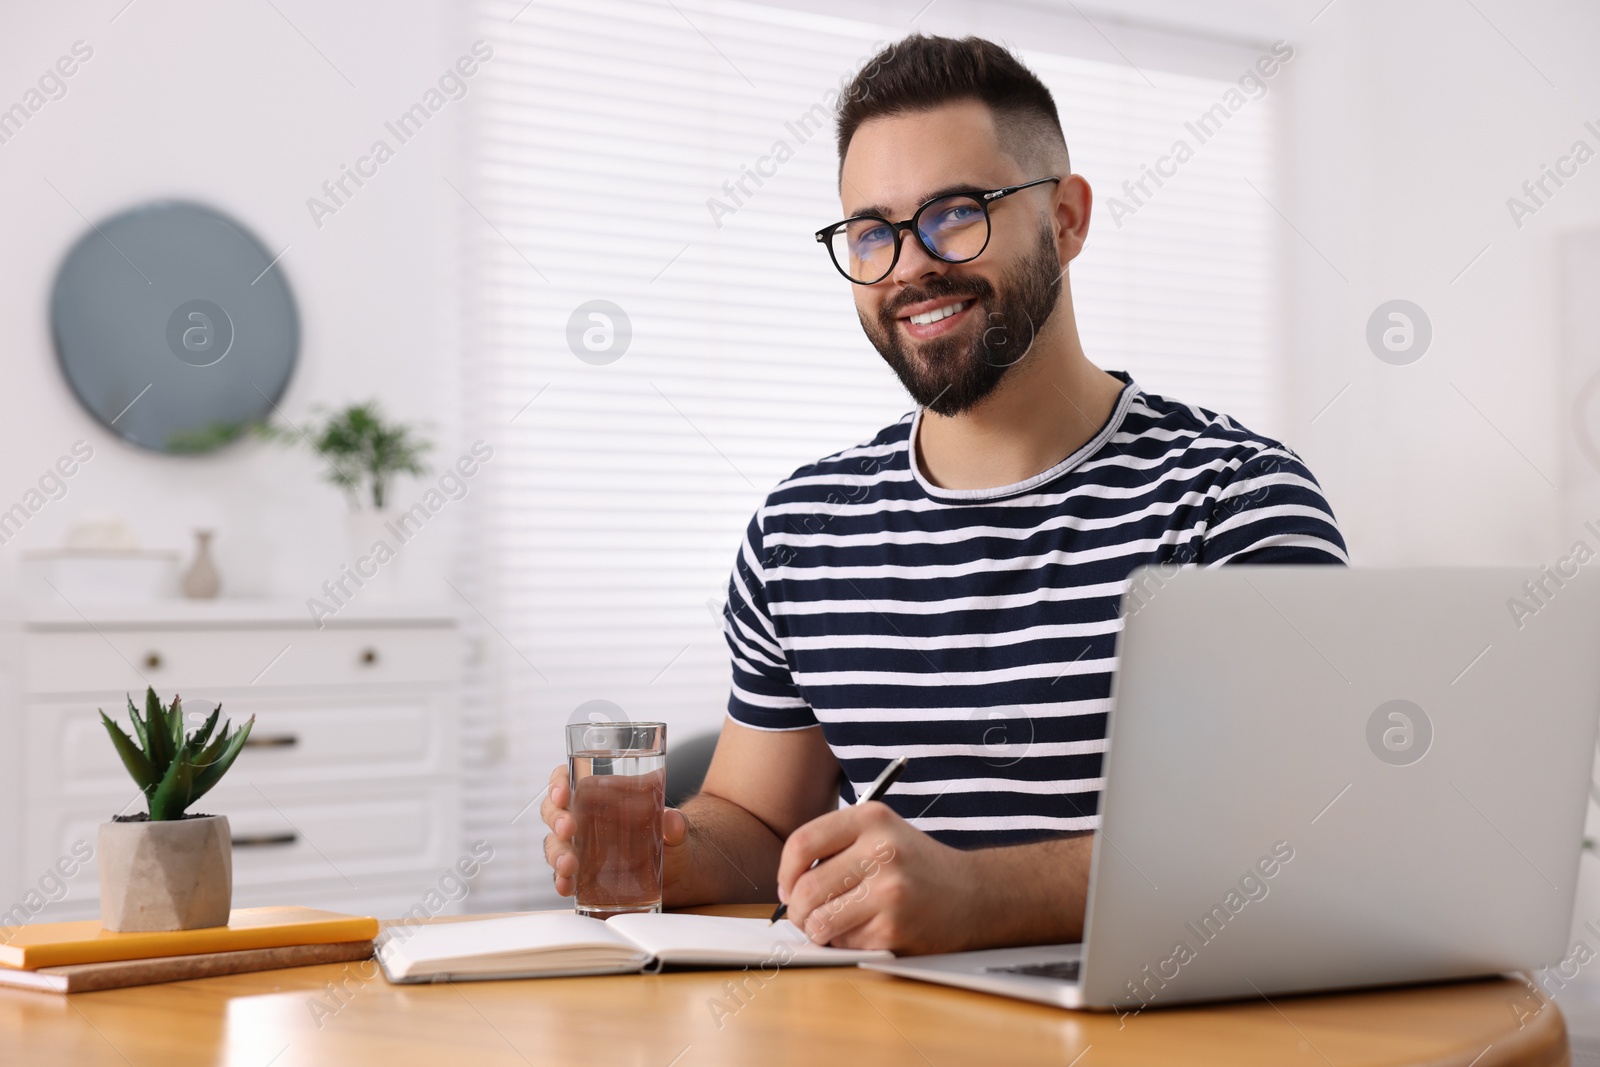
x,y
347,1014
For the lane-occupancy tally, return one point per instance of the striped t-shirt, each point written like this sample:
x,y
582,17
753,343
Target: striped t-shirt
x,y
974,631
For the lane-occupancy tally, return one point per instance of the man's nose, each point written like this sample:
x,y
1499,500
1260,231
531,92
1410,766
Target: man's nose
x,y
915,263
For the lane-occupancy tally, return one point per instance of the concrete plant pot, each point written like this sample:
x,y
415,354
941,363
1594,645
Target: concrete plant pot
x,y
169,875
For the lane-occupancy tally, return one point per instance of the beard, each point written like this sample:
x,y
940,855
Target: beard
x,y
950,375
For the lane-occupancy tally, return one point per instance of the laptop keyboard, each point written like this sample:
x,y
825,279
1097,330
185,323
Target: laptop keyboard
x,y
1063,970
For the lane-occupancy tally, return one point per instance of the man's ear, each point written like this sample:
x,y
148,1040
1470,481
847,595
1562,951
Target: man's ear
x,y
1073,203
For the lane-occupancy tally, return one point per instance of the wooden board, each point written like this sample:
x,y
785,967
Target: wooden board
x,y
86,977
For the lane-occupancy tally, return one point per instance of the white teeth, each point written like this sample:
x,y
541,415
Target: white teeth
x,y
927,318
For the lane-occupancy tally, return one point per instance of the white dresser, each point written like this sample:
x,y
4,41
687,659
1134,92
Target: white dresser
x,y
347,795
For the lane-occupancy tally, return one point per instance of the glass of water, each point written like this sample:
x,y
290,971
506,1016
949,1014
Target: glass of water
x,y
619,778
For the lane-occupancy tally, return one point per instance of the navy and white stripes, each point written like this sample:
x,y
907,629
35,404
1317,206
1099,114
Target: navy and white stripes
x,y
975,631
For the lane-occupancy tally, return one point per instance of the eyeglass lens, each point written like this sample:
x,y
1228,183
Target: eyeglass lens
x,y
955,228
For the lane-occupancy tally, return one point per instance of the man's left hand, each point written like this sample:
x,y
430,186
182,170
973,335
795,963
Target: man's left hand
x,y
882,883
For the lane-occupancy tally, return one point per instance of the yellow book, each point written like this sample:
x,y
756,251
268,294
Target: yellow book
x,y
63,944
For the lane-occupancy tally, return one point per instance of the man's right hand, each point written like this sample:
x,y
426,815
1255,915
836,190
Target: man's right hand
x,y
556,810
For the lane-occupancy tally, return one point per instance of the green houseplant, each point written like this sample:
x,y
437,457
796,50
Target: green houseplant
x,y
165,868
364,450
365,454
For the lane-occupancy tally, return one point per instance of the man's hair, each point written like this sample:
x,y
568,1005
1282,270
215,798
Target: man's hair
x,y
920,73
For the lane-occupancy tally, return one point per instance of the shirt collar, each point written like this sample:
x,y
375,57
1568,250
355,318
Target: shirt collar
x,y
1113,423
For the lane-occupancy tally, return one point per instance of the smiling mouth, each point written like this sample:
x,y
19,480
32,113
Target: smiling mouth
x,y
928,318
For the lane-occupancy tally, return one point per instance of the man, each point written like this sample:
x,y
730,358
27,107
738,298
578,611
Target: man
x,y
950,590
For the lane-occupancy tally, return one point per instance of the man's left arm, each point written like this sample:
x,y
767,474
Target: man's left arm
x,y
886,884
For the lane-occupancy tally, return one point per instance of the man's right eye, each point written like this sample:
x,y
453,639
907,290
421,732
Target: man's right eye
x,y
875,237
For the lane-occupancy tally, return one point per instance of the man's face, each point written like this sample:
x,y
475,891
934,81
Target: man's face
x,y
985,312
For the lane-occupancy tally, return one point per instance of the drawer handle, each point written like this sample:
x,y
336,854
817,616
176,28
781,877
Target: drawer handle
x,y
369,656
272,741
152,660
265,840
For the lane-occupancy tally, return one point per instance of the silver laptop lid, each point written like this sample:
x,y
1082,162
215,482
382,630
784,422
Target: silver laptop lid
x,y
1320,777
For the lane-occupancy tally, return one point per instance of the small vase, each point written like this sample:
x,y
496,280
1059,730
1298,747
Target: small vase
x,y
171,875
201,581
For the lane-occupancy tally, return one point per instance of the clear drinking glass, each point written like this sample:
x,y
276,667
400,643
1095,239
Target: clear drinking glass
x,y
619,778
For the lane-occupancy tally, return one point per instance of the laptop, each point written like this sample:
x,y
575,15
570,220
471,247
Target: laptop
x,y
1322,778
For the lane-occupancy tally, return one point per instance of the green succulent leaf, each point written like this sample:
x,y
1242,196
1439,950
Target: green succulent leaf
x,y
135,760
205,757
198,739
138,726
159,746
209,772
175,722
175,791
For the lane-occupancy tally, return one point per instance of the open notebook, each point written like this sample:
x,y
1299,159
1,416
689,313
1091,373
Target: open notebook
x,y
562,943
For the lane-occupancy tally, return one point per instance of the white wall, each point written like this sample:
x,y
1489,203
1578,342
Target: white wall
x,y
233,105
1413,125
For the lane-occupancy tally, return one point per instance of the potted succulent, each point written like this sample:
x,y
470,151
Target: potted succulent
x,y
168,869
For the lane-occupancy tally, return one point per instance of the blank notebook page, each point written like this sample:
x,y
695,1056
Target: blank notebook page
x,y
551,940
677,938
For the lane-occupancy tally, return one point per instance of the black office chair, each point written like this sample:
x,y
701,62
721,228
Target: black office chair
x,y
687,763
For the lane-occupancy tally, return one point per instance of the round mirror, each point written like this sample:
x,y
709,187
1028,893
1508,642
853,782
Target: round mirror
x,y
174,326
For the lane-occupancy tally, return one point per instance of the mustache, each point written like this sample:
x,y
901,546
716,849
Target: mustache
x,y
976,288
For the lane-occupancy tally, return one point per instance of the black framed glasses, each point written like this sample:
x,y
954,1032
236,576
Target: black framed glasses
x,y
954,228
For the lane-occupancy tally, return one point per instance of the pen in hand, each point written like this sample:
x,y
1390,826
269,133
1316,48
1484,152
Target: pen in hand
x,y
874,791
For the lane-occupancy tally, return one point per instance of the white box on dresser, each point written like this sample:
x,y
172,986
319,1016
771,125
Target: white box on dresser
x,y
347,795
